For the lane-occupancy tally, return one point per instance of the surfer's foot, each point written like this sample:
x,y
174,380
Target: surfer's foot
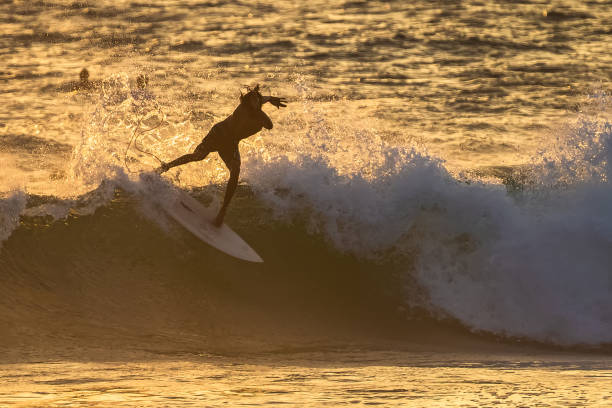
x,y
218,222
162,169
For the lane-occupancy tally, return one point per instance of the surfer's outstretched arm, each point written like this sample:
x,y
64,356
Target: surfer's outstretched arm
x,y
274,100
232,161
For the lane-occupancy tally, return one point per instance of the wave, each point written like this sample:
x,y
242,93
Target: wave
x,y
346,224
531,262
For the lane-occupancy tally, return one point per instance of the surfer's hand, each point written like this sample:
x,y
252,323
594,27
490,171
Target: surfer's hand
x,y
278,102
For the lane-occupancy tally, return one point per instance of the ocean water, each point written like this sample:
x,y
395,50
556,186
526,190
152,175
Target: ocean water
x,y
433,206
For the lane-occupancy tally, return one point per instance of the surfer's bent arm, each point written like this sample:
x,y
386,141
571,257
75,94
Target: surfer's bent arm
x,y
265,120
274,100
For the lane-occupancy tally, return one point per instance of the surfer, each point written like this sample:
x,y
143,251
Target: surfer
x,y
83,84
246,120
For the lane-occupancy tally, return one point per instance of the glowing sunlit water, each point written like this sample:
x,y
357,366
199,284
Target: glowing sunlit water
x,y
410,380
442,169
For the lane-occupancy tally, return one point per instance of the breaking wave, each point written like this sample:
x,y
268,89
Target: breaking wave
x,y
529,258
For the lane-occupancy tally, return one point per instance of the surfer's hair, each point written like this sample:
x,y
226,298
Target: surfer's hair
x,y
253,96
250,91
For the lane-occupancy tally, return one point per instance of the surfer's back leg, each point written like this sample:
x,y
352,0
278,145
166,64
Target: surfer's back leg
x,y
198,154
231,158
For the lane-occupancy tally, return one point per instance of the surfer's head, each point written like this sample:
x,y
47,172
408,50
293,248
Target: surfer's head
x,y
84,75
252,98
142,81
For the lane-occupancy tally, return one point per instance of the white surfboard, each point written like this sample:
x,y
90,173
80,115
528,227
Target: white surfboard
x,y
199,220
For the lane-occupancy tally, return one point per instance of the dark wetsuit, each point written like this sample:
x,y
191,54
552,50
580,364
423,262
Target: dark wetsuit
x,y
223,137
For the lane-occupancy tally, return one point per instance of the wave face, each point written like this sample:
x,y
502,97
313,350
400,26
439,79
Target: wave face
x,y
345,222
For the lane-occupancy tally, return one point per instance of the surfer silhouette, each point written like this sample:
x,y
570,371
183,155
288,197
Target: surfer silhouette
x,y
83,84
246,120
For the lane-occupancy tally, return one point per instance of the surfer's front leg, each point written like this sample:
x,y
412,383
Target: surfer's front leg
x,y
229,191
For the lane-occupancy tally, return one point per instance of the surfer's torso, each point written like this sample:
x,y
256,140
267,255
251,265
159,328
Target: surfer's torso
x,y
245,121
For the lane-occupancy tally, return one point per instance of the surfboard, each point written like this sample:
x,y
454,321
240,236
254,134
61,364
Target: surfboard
x,y
198,219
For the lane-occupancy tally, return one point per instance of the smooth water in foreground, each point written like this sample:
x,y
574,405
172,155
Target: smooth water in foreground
x,y
363,378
